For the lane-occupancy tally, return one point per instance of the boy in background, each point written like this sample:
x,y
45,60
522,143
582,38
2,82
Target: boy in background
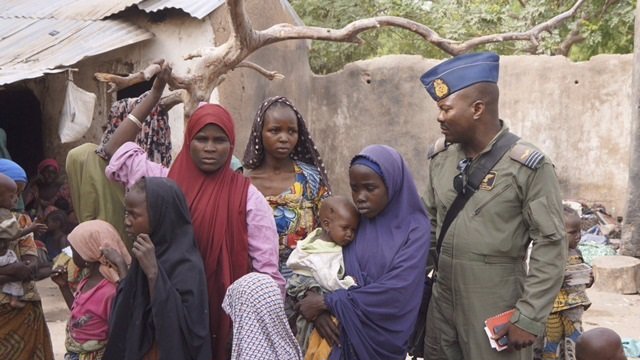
x,y
564,325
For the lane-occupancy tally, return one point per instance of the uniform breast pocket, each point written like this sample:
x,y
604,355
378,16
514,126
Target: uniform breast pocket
x,y
498,196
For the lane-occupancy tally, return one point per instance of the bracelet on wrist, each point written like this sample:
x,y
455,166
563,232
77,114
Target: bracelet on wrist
x,y
135,120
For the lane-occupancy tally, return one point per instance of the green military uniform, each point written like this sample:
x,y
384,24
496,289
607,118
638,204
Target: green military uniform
x,y
482,270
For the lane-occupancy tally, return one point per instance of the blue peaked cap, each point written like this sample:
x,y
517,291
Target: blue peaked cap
x,y
461,72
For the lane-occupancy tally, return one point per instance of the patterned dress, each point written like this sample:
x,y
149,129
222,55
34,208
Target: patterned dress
x,y
24,334
295,210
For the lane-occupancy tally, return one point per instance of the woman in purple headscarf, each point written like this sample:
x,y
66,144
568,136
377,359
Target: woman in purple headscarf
x,y
387,259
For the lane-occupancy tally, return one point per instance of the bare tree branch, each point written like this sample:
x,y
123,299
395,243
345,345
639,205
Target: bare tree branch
x,y
271,75
240,24
169,101
117,82
532,35
573,38
211,64
351,32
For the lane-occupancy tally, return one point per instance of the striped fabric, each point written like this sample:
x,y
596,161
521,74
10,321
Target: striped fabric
x,y
260,327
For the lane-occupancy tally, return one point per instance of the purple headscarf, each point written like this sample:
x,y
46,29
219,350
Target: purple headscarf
x,y
388,259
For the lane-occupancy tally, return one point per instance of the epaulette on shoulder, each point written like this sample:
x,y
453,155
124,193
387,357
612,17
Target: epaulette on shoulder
x,y
439,146
527,156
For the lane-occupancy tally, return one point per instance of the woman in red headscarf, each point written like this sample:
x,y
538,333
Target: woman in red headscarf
x,y
233,222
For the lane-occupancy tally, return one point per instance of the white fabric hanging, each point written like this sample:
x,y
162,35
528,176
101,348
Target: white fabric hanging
x,y
77,113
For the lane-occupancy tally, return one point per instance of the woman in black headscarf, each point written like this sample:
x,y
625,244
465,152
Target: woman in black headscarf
x,y
161,310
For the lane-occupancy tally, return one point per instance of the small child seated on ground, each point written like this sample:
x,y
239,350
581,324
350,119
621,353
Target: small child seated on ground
x,y
599,344
564,324
9,231
55,238
317,262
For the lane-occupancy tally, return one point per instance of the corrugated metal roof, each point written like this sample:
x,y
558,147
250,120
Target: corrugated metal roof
x,y
39,37
63,9
32,47
196,8
98,9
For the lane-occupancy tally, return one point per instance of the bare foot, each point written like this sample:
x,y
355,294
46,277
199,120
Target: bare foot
x,y
17,303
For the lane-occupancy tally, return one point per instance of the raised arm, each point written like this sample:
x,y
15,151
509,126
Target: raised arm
x,y
128,130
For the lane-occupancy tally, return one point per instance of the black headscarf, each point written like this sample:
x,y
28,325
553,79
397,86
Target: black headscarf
x,y
304,151
177,318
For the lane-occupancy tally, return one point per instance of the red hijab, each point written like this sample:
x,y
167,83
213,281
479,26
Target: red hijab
x,y
218,205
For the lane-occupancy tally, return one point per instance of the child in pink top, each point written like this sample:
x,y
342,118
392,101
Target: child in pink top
x,y
96,246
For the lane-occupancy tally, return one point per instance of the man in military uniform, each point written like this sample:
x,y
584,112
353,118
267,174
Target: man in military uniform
x,y
481,269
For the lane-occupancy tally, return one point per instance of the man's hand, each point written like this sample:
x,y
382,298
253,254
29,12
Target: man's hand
x,y
518,338
327,328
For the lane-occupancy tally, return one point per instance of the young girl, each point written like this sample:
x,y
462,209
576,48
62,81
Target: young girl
x,y
260,328
55,237
387,259
161,311
283,163
88,327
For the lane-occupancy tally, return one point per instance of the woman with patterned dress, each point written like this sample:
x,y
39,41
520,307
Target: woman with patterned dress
x,y
24,334
283,163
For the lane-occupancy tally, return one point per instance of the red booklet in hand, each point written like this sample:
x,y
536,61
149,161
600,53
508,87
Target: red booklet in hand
x,y
493,325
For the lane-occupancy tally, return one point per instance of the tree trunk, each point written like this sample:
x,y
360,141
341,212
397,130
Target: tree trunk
x,y
631,227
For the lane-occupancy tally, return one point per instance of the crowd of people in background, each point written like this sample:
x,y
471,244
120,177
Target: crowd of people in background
x,y
208,257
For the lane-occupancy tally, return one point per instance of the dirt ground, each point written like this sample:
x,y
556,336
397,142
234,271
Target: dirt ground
x,y
615,311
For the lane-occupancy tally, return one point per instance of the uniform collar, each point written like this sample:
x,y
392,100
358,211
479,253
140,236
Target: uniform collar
x,y
503,130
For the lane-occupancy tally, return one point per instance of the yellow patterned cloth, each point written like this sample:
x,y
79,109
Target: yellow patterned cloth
x,y
89,350
295,210
319,348
572,296
564,324
74,273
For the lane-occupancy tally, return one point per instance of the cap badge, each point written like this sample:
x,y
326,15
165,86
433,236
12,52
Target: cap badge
x,y
440,88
